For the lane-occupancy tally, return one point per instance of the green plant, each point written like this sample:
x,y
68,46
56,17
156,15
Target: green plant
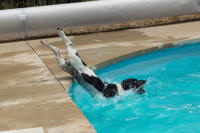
x,y
8,4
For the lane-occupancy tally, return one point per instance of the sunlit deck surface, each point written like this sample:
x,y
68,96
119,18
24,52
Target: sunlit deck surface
x,y
32,92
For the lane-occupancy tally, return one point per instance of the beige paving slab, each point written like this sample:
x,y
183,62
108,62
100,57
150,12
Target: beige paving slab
x,y
31,97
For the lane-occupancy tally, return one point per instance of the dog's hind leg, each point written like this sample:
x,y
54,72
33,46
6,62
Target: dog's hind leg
x,y
75,60
60,60
65,39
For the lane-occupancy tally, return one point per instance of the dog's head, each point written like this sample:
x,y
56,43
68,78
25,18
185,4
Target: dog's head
x,y
134,84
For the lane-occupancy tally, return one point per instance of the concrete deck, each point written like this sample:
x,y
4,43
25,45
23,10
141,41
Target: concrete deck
x,y
32,91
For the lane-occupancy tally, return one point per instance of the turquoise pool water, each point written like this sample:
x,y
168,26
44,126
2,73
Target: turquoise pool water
x,y
171,103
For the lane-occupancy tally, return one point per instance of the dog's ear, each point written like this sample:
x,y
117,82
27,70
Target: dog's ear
x,y
129,84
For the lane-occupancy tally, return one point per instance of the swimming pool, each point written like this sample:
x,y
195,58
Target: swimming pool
x,y
171,103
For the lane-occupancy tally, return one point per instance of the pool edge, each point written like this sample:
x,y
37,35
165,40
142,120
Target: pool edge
x,y
144,51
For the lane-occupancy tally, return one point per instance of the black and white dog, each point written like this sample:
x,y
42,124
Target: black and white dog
x,y
86,77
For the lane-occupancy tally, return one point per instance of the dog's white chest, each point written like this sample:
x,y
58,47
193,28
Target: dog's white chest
x,y
120,89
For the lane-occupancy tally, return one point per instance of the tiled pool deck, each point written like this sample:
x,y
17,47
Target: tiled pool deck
x,y
32,90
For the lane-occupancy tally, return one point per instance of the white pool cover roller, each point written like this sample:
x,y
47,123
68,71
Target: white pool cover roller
x,y
40,21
